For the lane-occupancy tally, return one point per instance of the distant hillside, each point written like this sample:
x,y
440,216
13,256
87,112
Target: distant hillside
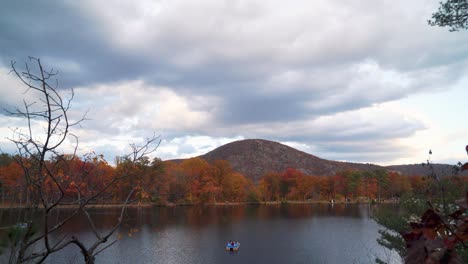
x,y
419,169
256,157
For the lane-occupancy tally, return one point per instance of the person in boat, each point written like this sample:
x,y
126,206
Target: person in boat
x,y
232,245
229,246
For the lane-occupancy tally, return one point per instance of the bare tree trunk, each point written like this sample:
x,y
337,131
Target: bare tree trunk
x,y
38,157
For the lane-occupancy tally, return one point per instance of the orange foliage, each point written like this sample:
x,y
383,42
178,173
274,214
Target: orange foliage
x,y
197,181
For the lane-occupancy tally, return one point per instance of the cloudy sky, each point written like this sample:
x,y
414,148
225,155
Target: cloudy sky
x,y
362,81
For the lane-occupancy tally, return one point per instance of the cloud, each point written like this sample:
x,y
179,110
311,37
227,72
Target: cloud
x,y
12,92
372,133
318,73
132,107
191,146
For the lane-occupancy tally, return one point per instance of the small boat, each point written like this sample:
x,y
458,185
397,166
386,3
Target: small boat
x,y
233,246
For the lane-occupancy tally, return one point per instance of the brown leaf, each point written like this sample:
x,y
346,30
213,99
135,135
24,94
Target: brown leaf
x,y
429,233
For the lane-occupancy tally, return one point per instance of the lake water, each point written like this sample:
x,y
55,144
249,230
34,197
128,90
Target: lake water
x,y
293,233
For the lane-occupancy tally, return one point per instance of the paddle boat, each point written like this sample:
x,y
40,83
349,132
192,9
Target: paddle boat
x,y
233,246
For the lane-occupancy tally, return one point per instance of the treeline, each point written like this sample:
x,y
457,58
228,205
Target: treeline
x,y
362,186
194,181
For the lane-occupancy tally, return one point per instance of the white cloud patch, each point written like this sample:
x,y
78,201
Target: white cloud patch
x,y
191,146
136,106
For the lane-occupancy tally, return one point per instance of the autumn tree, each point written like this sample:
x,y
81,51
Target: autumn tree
x,y
369,183
381,177
222,173
340,185
288,180
202,185
305,187
86,175
399,184
354,183
139,177
160,181
327,187
270,186
13,185
235,188
179,184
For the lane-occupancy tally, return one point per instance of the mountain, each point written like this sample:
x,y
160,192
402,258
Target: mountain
x,y
256,157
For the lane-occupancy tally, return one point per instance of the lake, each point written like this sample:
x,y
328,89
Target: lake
x,y
292,233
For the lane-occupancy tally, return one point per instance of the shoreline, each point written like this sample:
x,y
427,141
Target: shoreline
x,y
145,205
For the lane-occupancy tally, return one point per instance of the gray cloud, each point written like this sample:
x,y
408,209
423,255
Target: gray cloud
x,y
238,68
64,39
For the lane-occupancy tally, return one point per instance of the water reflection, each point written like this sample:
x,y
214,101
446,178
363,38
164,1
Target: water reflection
x,y
292,233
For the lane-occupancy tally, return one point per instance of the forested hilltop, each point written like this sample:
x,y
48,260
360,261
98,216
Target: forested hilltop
x,y
292,176
256,157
